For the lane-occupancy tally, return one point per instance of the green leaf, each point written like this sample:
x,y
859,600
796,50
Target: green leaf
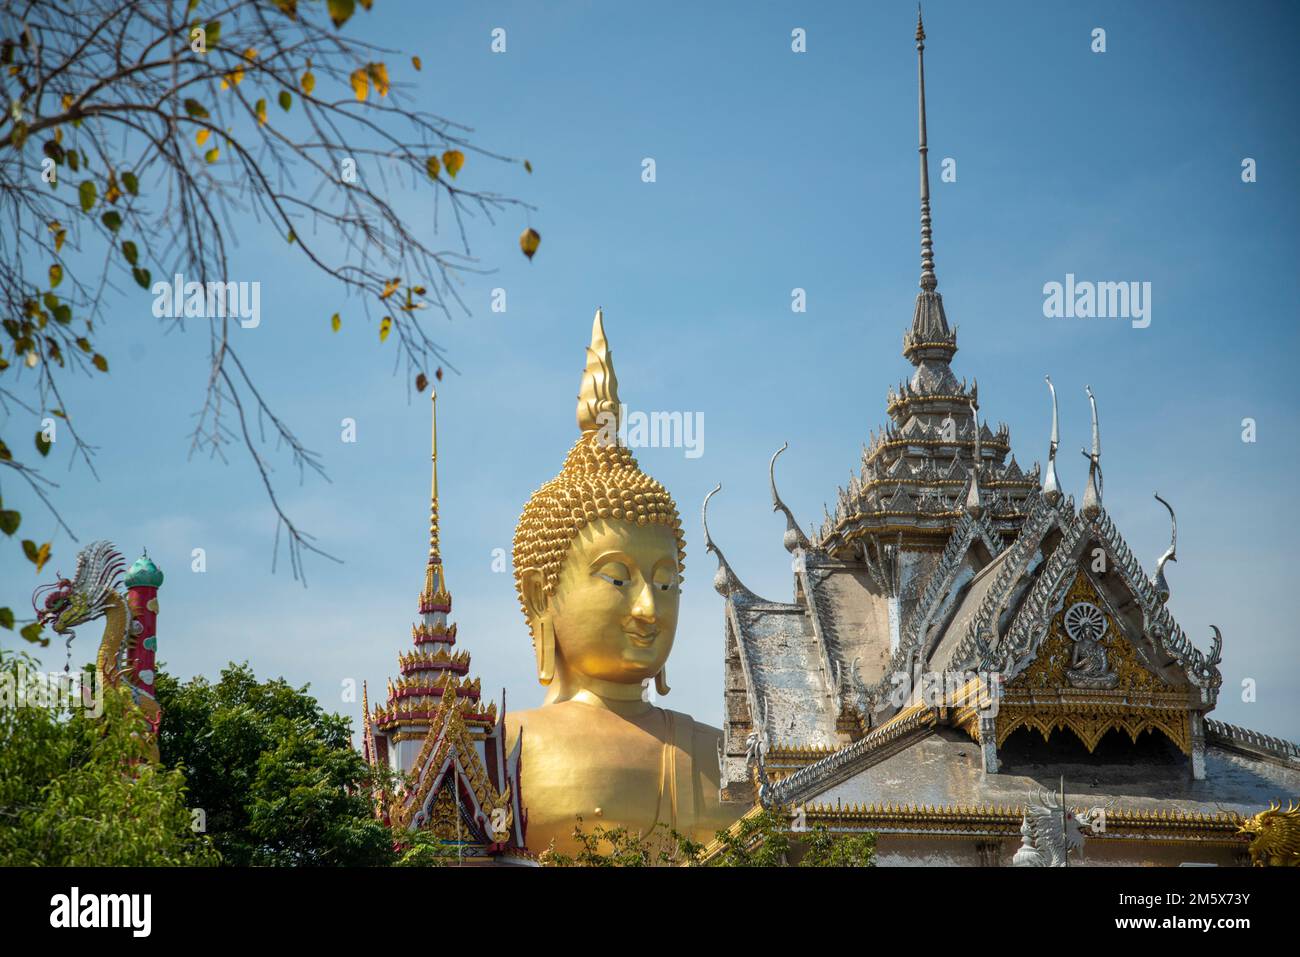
x,y
42,444
212,32
7,618
87,193
286,100
99,362
142,277
32,633
9,521
63,313
56,275
112,219
131,183
74,161
195,109
129,252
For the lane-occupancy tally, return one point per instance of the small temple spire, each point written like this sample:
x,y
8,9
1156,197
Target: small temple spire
x,y
1051,484
928,279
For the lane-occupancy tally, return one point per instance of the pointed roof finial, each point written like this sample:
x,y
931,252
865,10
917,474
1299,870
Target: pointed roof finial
x,y
794,538
1092,495
1051,484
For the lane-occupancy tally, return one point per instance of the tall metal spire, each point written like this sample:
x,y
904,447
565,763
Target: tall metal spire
x,y
433,498
435,597
928,279
930,342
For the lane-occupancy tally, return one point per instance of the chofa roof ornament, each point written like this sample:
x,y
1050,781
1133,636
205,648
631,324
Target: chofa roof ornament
x,y
1159,583
1051,484
1092,494
794,538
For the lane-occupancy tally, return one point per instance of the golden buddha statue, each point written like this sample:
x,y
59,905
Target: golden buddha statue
x,y
598,556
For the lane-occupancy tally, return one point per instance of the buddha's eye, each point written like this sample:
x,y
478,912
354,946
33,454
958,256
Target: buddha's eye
x,y
615,573
665,580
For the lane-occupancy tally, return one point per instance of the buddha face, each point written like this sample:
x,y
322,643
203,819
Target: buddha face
x,y
614,609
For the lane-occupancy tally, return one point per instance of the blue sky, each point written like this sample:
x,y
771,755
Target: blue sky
x,y
774,171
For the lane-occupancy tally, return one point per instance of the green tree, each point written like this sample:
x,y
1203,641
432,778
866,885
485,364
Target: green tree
x,y
839,850
75,790
275,775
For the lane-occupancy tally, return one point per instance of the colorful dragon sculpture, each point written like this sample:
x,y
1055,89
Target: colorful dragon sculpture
x,y
1276,836
128,648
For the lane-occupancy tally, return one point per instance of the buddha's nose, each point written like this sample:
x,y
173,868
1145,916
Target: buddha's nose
x,y
643,604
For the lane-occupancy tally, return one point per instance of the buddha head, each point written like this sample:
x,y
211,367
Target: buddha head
x,y
598,557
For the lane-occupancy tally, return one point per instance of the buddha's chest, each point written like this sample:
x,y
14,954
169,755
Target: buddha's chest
x,y
610,774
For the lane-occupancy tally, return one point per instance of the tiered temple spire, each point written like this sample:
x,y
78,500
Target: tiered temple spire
x,y
433,668
916,481
434,727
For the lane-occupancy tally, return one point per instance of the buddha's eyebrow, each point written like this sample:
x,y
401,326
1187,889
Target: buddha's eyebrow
x,y
610,556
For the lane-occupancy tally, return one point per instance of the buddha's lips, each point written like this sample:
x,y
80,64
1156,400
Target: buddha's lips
x,y
642,640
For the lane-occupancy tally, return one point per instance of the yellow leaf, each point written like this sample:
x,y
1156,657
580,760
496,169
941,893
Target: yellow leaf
x,y
201,137
56,275
453,160
31,360
432,165
112,194
415,62
308,82
390,287
379,76
360,84
529,240
250,54
65,102
385,327
60,234
260,110
42,556
99,362
335,322
212,154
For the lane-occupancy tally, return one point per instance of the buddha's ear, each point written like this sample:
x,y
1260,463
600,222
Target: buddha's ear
x,y
532,587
